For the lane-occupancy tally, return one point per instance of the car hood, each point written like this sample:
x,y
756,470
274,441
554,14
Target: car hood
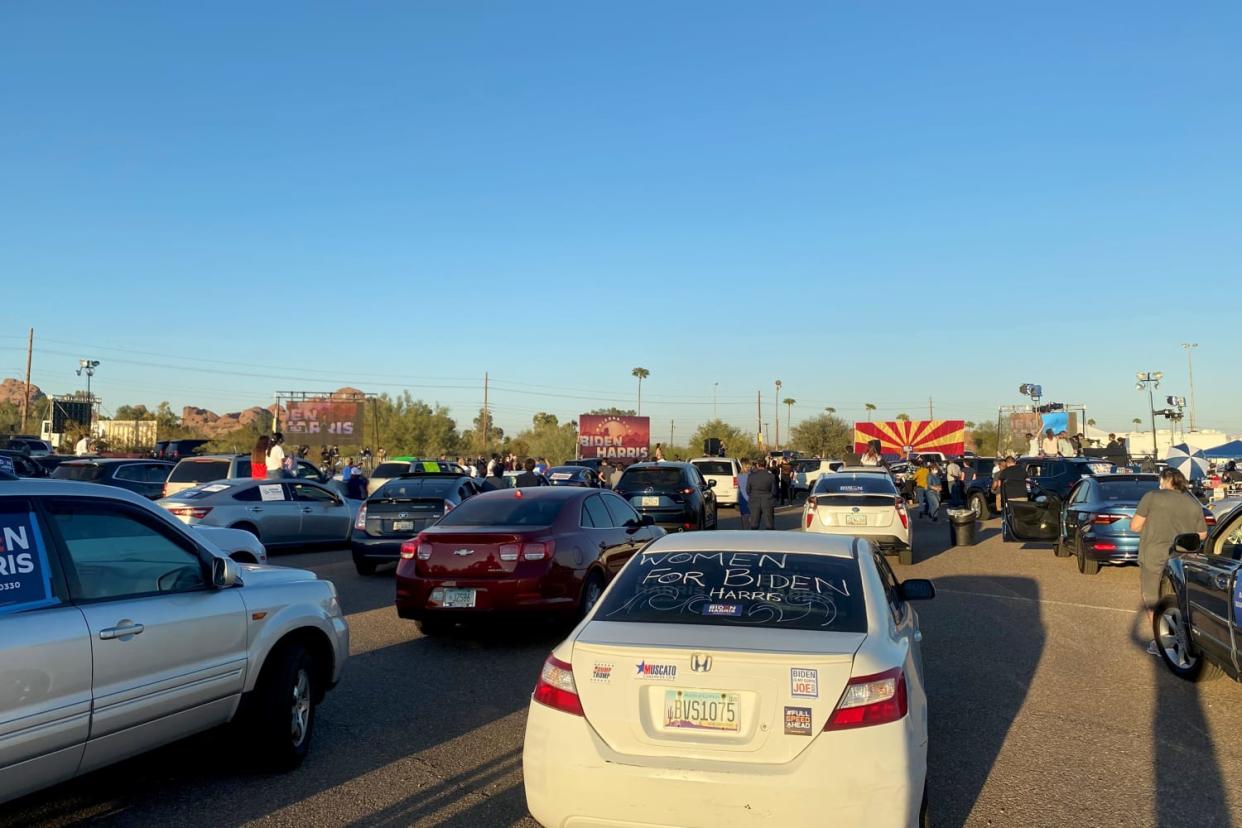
x,y
268,575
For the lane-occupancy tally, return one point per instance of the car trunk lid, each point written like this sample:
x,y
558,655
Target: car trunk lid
x,y
717,693
493,552
856,510
402,517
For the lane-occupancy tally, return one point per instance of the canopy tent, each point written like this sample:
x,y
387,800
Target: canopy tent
x,y
1229,451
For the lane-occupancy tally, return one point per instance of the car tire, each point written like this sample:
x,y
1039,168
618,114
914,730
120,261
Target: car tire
x,y
1177,651
979,505
1086,566
433,627
364,566
905,557
591,592
281,715
1062,550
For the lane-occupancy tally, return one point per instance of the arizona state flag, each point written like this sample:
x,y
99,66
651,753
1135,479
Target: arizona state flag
x,y
900,436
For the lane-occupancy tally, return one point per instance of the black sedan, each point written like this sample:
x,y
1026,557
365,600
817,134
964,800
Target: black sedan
x,y
144,477
675,495
1197,623
580,476
20,464
402,508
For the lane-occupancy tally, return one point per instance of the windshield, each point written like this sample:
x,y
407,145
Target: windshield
x,y
1126,490
417,487
739,589
651,477
716,467
391,470
199,471
77,471
854,484
504,511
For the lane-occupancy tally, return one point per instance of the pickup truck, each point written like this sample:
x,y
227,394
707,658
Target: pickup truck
x,y
1197,624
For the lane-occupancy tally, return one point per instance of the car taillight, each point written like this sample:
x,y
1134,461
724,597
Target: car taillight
x,y
416,548
556,688
448,507
536,551
1104,547
408,550
360,522
196,512
810,518
901,513
871,700
687,491
735,482
1210,520
1104,520
510,551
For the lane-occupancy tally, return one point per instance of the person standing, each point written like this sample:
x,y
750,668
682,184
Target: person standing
x,y
743,503
258,458
761,492
528,477
1032,445
1049,446
659,452
849,456
276,457
921,473
355,483
605,474
1161,516
1065,446
495,479
785,477
872,457
934,481
1012,482
954,480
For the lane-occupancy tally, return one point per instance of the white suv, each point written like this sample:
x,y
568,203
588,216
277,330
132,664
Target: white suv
x,y
122,630
808,472
724,471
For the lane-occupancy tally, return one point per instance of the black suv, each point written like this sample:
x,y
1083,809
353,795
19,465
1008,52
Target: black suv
x,y
675,495
141,476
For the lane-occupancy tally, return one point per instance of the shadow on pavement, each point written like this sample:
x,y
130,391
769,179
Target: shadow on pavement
x,y
975,700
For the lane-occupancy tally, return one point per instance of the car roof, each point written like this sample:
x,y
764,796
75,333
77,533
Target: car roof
x,y
863,470
714,460
658,464
1145,476
741,540
82,461
198,458
51,487
540,492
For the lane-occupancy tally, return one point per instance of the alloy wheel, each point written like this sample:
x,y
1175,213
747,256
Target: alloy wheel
x,y
1172,639
300,709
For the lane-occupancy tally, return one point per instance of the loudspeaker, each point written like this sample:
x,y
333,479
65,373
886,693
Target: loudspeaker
x,y
711,446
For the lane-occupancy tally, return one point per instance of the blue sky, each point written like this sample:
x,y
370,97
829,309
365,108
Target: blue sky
x,y
871,202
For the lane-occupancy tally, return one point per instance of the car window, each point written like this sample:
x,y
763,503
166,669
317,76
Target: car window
x,y
306,470
417,487
1127,490
30,578
77,471
1229,539
585,520
855,484
650,476
391,469
307,493
249,494
599,513
131,472
895,604
156,473
721,468
1080,493
622,512
200,471
117,552
506,510
777,590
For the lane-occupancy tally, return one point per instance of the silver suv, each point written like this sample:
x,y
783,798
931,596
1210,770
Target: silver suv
x,y
121,630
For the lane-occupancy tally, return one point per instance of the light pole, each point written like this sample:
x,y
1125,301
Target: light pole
x,y
1190,371
1150,380
715,410
776,404
88,366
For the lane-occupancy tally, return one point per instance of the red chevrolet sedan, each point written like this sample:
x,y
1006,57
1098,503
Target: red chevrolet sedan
x,y
532,550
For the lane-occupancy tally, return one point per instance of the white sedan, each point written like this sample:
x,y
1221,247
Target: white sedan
x,y
737,678
861,503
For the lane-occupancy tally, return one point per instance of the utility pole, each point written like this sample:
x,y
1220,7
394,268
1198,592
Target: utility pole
x,y
25,399
716,411
759,415
487,429
776,406
670,433
1190,370
930,413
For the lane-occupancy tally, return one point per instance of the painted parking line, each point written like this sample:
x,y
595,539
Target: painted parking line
x,y
1034,600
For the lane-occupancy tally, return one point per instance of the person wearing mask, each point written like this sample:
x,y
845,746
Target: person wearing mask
x,y
1049,446
761,492
347,470
276,457
356,483
258,458
1161,516
528,477
935,480
743,504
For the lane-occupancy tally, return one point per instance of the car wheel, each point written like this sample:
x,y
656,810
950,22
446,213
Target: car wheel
x,y
364,566
282,717
1173,641
906,556
591,591
1086,566
979,506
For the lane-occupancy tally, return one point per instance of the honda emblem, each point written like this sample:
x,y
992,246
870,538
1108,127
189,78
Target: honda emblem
x,y
701,663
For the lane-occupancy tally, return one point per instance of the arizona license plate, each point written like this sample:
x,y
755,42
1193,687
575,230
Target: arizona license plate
x,y
855,520
702,710
650,501
403,526
459,598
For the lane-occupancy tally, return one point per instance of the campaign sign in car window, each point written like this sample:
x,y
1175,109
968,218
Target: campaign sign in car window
x,y
779,590
25,577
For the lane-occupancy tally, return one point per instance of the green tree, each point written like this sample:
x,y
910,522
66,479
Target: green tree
x,y
548,438
613,411
472,439
788,402
822,436
738,443
133,412
410,426
985,439
1091,422
642,374
870,408
903,416
1138,421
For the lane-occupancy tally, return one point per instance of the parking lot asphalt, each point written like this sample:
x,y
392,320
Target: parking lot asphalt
x,y
1045,711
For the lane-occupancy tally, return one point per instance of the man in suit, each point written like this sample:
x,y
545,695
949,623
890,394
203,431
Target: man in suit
x,y
761,494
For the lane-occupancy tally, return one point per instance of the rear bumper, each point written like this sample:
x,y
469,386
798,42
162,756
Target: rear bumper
x,y
493,596
375,549
883,538
867,777
671,520
1096,548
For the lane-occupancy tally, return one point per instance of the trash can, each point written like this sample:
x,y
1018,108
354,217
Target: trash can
x,y
962,526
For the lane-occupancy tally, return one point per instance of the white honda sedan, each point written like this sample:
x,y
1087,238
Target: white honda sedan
x,y
737,678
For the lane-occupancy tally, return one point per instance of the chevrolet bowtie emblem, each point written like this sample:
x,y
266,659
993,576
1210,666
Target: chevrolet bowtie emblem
x,y
463,553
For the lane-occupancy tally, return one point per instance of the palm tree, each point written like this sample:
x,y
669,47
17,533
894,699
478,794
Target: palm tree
x,y
789,402
904,416
1091,423
830,410
642,374
870,407
1138,421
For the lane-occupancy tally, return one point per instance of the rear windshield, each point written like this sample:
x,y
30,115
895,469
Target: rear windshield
x,y
391,470
417,487
739,589
77,471
655,478
714,467
855,484
806,465
199,471
504,511
1126,489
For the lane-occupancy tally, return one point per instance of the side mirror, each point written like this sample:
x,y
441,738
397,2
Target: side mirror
x,y
917,589
711,484
1187,543
225,573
